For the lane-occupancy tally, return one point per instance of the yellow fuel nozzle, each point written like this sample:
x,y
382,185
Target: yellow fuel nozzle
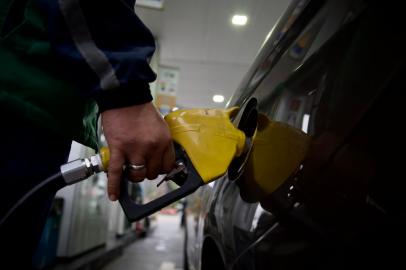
x,y
212,142
209,139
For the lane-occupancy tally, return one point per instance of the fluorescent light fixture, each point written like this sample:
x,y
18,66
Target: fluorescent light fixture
x,y
158,4
218,98
239,19
305,122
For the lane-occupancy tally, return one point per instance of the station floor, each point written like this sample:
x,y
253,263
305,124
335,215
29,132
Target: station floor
x,y
161,249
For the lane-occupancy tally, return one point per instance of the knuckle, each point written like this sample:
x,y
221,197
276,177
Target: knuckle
x,y
150,143
167,139
112,182
137,179
111,186
153,173
152,176
166,169
114,170
154,143
137,176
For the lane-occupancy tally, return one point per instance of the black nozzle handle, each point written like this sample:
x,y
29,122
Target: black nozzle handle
x,y
135,211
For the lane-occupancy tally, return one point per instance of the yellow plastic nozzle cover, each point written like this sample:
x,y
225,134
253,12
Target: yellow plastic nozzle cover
x,y
209,139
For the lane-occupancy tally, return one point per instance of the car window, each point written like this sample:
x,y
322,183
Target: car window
x,y
291,91
289,26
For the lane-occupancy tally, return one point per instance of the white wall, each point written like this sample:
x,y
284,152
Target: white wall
x,y
204,80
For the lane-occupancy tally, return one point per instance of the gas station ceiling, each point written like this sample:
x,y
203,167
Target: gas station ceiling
x,y
212,54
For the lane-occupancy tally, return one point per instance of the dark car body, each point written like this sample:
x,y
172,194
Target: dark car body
x,y
334,69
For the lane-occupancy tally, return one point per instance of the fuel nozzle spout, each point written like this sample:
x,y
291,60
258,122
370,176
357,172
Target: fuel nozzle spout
x,y
277,152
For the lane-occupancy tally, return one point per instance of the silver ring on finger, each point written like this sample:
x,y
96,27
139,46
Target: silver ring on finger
x,y
135,167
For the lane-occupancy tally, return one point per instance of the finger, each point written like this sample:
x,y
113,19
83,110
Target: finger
x,y
168,159
139,174
114,174
136,175
154,164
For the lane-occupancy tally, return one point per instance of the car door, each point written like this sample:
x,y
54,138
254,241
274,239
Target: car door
x,y
290,89
231,221
322,84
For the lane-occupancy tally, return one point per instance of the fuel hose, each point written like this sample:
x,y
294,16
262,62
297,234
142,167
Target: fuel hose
x,y
54,183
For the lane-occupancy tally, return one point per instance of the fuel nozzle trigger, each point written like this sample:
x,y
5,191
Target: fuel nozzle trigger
x,y
184,175
177,175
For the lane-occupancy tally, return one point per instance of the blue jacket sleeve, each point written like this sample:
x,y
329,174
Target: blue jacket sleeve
x,y
105,47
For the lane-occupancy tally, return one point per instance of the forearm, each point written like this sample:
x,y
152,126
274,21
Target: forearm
x,y
106,48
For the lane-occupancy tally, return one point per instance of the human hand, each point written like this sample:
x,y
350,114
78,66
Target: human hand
x,y
136,135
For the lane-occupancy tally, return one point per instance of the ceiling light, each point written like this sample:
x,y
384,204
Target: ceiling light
x,y
239,20
218,98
